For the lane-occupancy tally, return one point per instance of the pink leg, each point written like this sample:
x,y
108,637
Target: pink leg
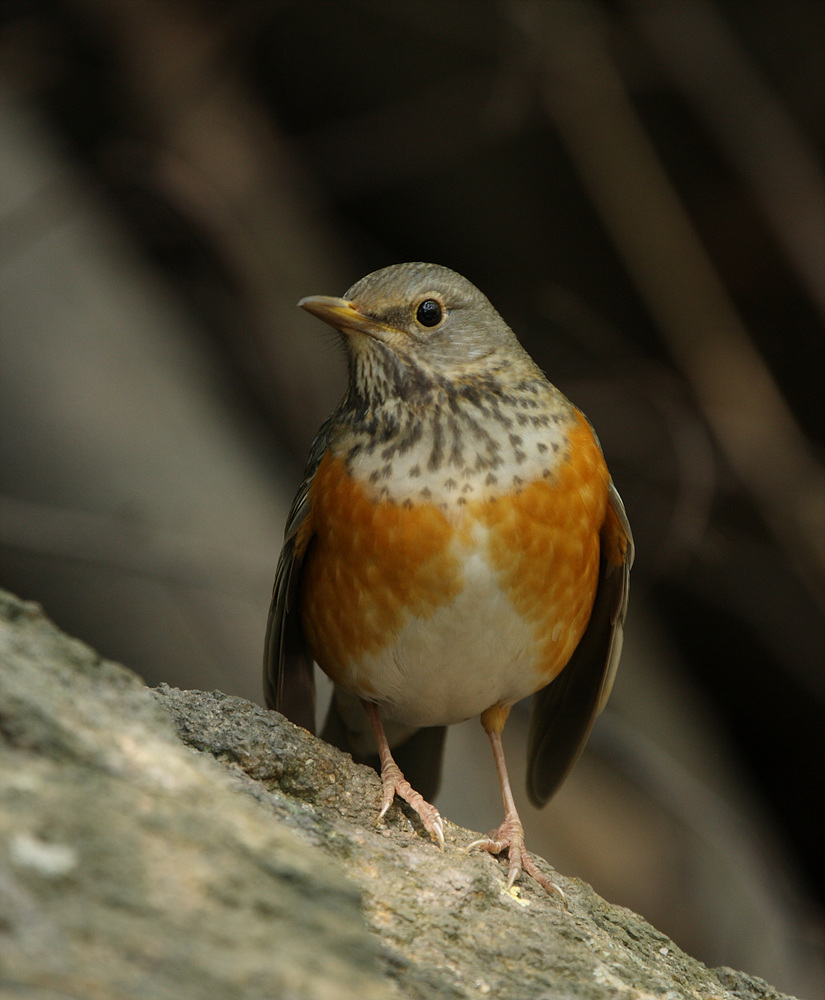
x,y
510,835
394,783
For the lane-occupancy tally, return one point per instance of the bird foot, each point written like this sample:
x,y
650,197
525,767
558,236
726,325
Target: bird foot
x,y
510,837
394,783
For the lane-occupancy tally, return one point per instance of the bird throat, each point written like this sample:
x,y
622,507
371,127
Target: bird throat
x,y
452,443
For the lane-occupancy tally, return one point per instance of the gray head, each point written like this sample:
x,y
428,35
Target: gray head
x,y
425,319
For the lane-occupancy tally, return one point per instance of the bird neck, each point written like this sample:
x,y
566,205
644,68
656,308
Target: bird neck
x,y
437,439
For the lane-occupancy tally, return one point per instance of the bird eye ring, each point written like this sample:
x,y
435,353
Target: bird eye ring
x,y
429,313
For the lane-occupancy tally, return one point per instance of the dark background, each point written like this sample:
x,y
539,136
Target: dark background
x,y
636,185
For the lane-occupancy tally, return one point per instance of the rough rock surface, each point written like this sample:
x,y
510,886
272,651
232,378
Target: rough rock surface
x,y
186,844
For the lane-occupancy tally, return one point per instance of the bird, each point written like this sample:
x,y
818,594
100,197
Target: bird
x,y
457,545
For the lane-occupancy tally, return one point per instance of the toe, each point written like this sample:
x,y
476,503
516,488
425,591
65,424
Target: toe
x,y
490,844
549,886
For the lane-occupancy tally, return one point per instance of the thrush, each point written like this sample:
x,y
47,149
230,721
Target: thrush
x,y
456,545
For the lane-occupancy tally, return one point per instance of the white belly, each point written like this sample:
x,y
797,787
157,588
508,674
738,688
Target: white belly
x,y
465,657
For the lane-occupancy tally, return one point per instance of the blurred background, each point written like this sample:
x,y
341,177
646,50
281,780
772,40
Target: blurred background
x,y
637,185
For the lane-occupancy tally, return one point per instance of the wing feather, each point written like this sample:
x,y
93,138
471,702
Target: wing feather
x,y
289,683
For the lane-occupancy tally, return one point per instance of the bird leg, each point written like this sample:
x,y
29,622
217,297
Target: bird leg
x,y
394,783
510,835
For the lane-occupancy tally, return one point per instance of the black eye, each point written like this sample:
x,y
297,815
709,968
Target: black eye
x,y
429,313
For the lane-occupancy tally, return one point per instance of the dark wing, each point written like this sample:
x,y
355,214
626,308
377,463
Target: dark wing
x,y
564,711
289,684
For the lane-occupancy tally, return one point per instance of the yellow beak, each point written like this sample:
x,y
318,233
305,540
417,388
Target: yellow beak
x,y
343,315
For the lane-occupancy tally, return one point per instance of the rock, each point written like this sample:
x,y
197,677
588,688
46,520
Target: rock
x,y
187,844
131,866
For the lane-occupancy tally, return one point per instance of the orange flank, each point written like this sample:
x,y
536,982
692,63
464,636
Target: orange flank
x,y
544,542
372,565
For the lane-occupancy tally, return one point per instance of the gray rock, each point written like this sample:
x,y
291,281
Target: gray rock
x,y
187,844
131,866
